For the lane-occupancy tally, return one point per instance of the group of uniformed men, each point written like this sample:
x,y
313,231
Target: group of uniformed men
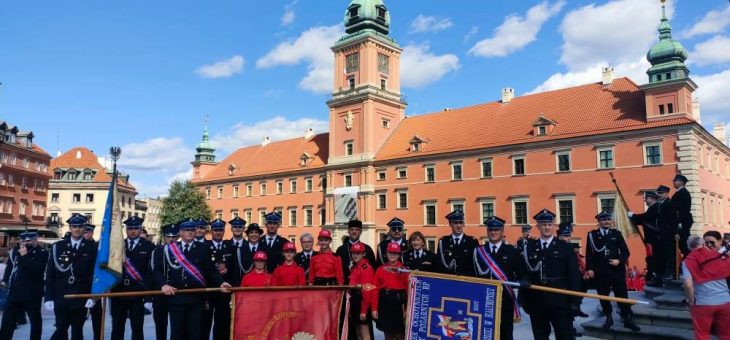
x,y
186,259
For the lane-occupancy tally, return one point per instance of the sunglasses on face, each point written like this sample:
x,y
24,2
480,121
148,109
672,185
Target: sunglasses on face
x,y
396,229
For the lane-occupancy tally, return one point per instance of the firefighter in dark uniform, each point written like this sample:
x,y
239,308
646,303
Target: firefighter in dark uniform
x,y
274,243
354,230
69,270
683,203
23,278
606,257
238,225
160,306
454,252
396,226
667,222
94,312
655,252
418,257
136,276
497,260
304,257
244,255
218,311
201,229
552,263
188,265
234,244
522,241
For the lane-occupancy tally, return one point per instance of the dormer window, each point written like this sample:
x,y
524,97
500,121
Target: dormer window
x,y
381,12
88,175
353,11
232,168
417,143
305,159
543,126
29,142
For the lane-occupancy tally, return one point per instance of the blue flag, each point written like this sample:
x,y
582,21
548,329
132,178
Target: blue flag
x,y
110,257
446,307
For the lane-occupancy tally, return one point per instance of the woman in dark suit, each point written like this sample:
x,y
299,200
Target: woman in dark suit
x,y
418,257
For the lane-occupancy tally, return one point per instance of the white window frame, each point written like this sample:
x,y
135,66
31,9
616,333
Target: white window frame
x,y
557,160
219,192
484,201
349,151
598,157
514,211
381,195
425,173
515,158
482,161
344,179
293,186
458,201
308,184
207,193
292,213
262,189
453,170
435,243
398,192
249,189
248,214
426,204
378,173
279,187
235,191
308,214
559,198
646,154
603,196
234,213
398,172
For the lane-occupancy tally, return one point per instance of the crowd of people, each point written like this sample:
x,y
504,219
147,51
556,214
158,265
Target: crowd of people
x,y
254,257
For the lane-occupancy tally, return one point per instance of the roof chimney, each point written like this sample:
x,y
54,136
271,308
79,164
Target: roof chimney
x,y
265,141
607,75
719,132
507,94
78,154
696,109
309,133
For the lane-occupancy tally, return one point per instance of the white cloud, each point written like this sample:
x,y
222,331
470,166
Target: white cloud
x,y
715,50
618,31
420,67
223,68
712,93
156,155
516,31
289,15
472,32
278,128
423,23
714,21
636,71
311,47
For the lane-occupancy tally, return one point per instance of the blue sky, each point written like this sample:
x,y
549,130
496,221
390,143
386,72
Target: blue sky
x,y
144,74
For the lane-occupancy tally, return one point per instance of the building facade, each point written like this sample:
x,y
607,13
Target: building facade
x,y
510,158
24,180
80,185
149,209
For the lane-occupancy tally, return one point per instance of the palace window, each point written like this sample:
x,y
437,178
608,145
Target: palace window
x,y
382,202
279,187
402,199
349,148
563,160
381,175
429,213
519,211
402,173
430,173
89,198
652,153
293,186
308,184
487,168
348,180
235,191
220,192
518,165
605,158
487,209
308,217
456,173
565,209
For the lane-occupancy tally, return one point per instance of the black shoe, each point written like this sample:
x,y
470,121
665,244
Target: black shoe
x,y
581,314
608,323
631,325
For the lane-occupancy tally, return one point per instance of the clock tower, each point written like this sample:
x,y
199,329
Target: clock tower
x,y
366,104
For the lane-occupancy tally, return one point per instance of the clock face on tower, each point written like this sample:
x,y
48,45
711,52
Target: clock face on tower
x,y
383,63
352,62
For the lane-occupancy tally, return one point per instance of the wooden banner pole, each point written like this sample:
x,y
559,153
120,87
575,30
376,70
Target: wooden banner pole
x,y
203,290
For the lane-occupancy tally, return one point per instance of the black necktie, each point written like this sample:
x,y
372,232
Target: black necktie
x,y
307,256
457,241
271,241
219,246
494,250
544,245
253,250
187,247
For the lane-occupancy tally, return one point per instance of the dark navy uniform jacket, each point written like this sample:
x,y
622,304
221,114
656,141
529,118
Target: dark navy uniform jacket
x,y
140,257
426,262
24,274
556,267
75,274
600,249
456,259
172,273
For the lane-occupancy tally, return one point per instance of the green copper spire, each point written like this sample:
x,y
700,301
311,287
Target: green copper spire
x,y
367,18
667,56
205,150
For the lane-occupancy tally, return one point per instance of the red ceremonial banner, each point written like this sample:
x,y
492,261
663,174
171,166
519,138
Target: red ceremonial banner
x,y
287,314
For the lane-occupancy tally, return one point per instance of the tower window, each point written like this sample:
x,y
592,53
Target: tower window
x,y
381,13
661,109
668,75
658,77
353,12
670,108
351,82
382,84
349,150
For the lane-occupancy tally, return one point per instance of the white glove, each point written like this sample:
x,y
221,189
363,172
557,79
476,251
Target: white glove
x,y
90,303
148,306
49,306
629,214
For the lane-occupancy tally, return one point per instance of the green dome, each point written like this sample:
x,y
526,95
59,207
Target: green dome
x,y
667,48
367,14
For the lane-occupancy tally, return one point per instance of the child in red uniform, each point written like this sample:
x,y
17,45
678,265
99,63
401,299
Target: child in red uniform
x,y
388,307
258,277
362,274
325,268
289,273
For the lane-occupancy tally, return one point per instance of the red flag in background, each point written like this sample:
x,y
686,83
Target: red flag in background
x,y
287,314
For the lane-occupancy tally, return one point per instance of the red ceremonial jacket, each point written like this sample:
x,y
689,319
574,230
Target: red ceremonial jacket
x,y
255,279
362,274
388,277
326,265
289,275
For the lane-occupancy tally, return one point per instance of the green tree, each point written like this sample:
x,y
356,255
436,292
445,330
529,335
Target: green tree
x,y
184,201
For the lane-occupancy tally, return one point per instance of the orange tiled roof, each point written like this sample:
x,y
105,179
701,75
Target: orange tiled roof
x,y
577,111
280,156
87,160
